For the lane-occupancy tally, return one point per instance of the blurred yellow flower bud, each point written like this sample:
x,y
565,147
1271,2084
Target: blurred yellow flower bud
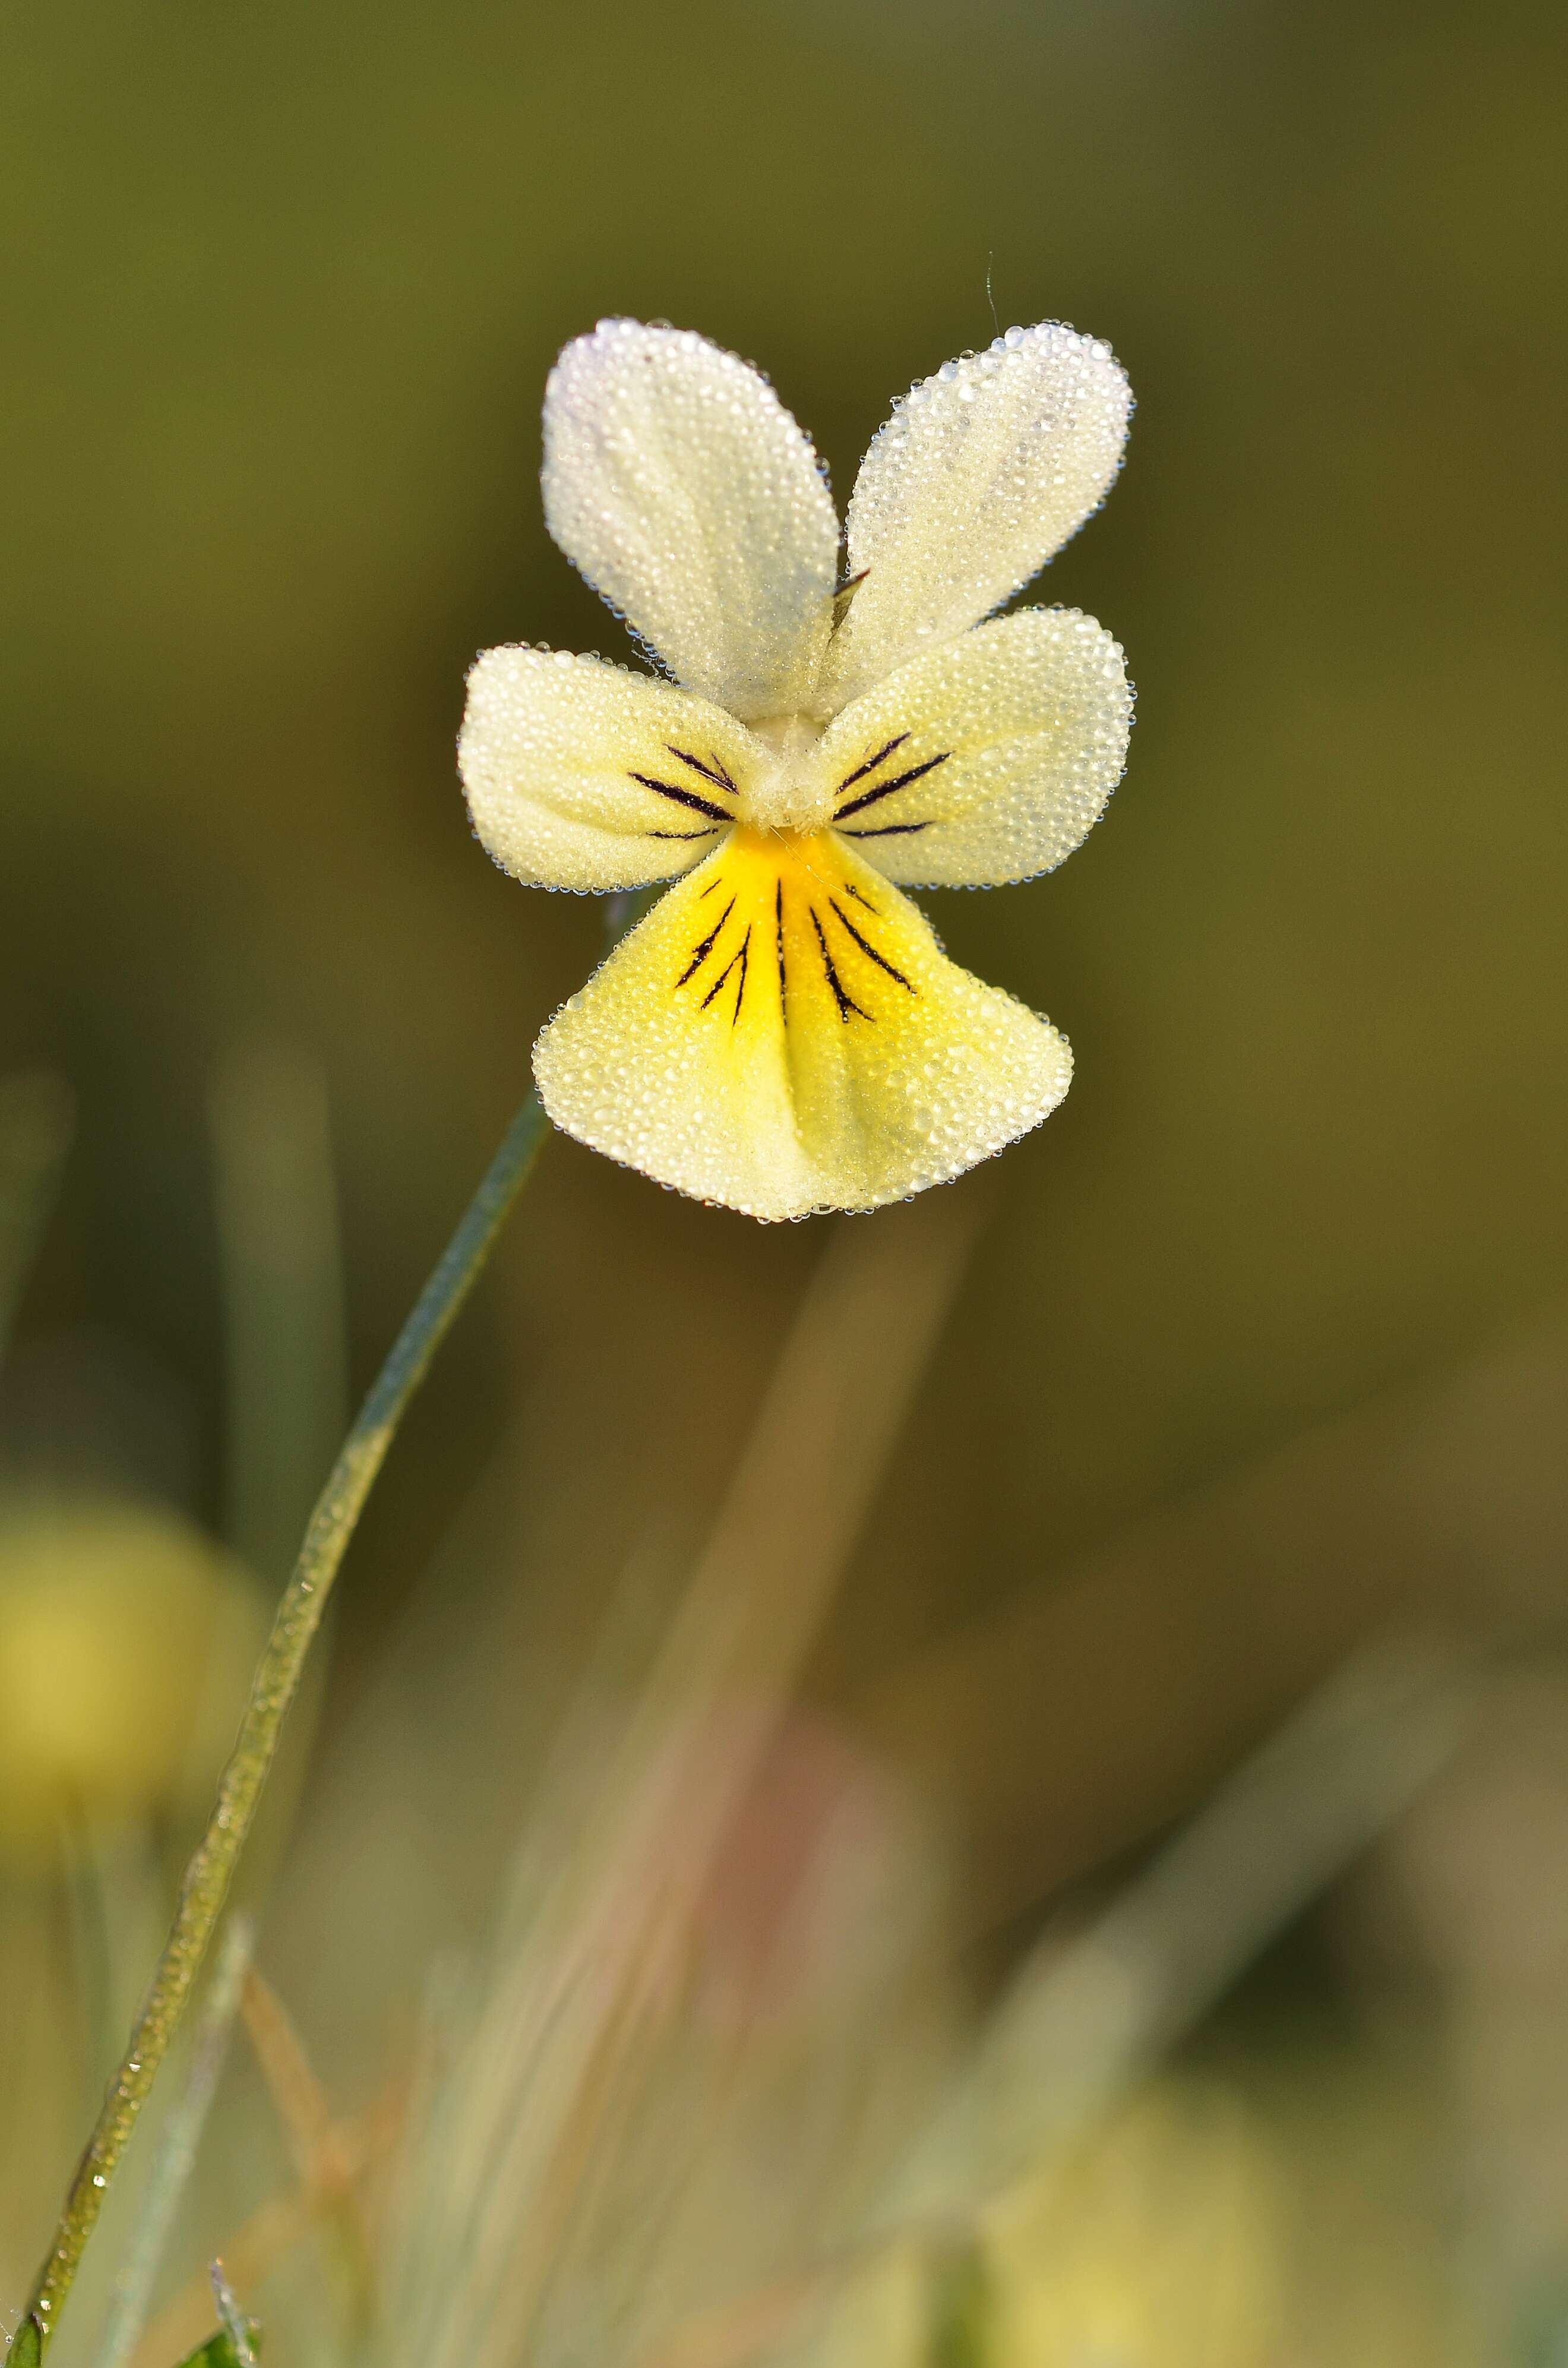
x,y
1158,2241
126,1643
1159,2244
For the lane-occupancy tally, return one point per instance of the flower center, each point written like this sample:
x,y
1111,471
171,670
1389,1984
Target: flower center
x,y
789,791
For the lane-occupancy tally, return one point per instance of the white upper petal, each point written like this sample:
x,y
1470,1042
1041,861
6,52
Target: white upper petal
x,y
587,776
677,483
982,473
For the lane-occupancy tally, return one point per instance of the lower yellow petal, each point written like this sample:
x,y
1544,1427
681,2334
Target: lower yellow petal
x,y
784,1034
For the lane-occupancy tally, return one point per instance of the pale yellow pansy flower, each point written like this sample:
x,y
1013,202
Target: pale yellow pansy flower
x,y
782,1032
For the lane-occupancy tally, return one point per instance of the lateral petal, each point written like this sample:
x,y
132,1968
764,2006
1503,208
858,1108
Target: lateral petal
x,y
990,760
783,1034
982,473
587,776
676,480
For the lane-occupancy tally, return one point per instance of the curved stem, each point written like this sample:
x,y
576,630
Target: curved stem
x,y
206,1881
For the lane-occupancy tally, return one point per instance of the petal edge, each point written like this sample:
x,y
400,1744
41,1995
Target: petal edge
x,y
809,1047
585,776
681,487
981,474
991,759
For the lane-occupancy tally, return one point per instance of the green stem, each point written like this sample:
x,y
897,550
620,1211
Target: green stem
x,y
277,1679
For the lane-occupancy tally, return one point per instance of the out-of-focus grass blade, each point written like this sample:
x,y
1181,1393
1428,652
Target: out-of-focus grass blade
x,y
255,2249
236,2328
176,2156
277,1204
322,2161
37,1119
961,2305
517,2136
286,1404
1082,2022
218,2351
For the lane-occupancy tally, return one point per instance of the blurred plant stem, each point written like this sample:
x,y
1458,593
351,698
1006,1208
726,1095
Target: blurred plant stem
x,y
206,1877
37,1115
285,1341
282,1282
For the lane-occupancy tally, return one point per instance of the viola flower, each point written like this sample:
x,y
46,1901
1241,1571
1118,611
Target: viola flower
x,y
782,1032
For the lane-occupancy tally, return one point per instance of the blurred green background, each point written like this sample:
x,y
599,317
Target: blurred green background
x,y
282,288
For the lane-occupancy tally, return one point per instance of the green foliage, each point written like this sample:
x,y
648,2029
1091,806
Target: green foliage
x,y
27,2345
961,2307
218,2351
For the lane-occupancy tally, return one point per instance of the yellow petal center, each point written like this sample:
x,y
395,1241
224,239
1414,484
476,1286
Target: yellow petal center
x,y
784,1033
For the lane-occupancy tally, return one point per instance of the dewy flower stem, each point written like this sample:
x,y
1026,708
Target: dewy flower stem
x,y
206,1883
